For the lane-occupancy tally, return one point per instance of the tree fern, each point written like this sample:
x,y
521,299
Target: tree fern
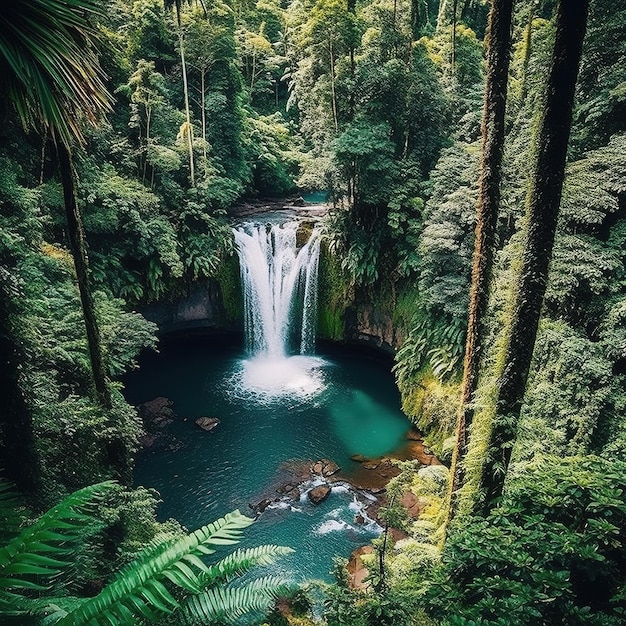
x,y
152,585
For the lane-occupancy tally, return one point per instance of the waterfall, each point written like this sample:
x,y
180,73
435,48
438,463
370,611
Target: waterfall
x,y
279,288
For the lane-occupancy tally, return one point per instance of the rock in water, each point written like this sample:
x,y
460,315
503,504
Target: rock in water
x,y
324,467
319,494
157,413
207,423
330,468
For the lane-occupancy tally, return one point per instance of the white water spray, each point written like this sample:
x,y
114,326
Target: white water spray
x,y
280,307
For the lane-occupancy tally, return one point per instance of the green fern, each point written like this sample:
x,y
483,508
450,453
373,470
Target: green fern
x,y
226,604
155,583
10,517
33,558
143,587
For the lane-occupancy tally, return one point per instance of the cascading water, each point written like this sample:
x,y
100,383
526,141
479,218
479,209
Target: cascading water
x,y
280,302
279,287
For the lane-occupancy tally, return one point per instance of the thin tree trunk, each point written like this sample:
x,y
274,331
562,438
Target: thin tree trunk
x,y
415,18
181,42
203,101
116,448
528,38
543,200
42,158
332,84
498,57
76,235
252,74
453,54
145,158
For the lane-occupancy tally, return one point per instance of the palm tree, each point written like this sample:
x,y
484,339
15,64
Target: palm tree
x,y
170,574
498,56
542,210
51,75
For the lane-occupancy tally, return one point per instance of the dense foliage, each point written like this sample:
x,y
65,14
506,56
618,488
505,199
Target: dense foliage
x,y
379,103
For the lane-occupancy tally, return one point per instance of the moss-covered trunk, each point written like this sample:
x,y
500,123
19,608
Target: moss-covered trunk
x,y
498,56
543,200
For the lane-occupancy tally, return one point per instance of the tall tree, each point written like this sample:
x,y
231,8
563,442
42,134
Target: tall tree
x,y
542,210
186,130
498,57
52,76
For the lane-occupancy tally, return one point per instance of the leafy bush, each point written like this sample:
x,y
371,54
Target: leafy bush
x,y
554,552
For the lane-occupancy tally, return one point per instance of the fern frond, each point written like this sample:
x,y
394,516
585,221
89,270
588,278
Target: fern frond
x,y
138,588
40,549
226,604
241,561
10,518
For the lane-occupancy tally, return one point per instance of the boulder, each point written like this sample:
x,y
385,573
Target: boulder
x,y
319,494
324,467
290,490
294,494
207,423
330,468
317,467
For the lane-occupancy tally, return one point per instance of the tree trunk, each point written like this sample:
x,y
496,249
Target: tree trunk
x,y
418,18
498,56
453,53
332,84
181,43
204,142
18,456
543,200
528,38
76,236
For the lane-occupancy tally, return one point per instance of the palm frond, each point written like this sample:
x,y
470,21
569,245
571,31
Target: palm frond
x,y
37,554
226,604
49,64
139,589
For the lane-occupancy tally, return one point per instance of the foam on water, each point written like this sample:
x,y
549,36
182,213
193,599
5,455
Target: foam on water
x,y
266,378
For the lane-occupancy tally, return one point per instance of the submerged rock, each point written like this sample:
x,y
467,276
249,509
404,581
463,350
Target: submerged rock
x,y
319,494
414,435
157,413
371,465
290,490
207,423
259,507
359,458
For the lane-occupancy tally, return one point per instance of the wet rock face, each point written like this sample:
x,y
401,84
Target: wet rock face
x,y
319,494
